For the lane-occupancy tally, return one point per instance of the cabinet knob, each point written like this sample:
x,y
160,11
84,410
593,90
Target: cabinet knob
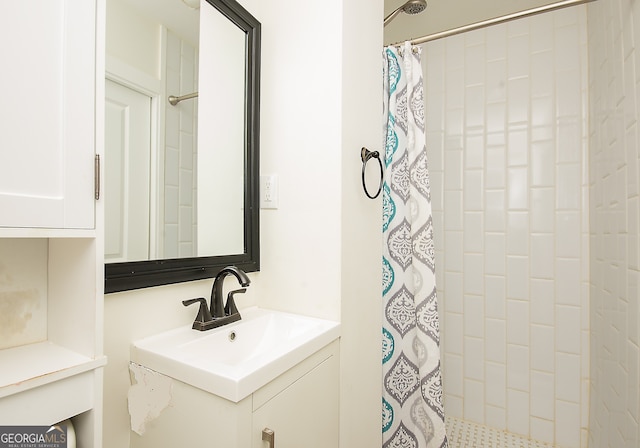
x,y
269,436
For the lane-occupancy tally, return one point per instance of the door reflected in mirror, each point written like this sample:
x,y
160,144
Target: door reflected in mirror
x,y
174,174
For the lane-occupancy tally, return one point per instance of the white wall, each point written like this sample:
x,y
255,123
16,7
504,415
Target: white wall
x,y
361,221
134,39
321,250
23,291
300,140
507,140
615,224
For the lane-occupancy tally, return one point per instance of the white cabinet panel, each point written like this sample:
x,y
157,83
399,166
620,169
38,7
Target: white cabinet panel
x,y
301,406
47,121
304,414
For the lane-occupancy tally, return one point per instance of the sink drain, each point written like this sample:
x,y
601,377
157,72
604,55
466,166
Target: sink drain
x,y
232,336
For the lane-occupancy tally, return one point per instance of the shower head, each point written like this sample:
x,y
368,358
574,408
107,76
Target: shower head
x,y
414,6
410,7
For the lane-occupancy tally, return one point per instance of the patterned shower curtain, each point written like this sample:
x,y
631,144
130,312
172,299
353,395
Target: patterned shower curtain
x,y
412,409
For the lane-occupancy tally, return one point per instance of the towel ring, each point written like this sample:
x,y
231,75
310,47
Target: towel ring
x,y
365,155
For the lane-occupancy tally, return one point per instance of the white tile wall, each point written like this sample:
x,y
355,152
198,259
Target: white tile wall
x,y
613,173
507,133
180,213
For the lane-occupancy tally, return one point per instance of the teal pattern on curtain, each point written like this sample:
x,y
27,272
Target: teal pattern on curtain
x,y
412,409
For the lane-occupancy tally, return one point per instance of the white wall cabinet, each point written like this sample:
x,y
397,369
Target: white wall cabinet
x,y
48,113
301,406
52,128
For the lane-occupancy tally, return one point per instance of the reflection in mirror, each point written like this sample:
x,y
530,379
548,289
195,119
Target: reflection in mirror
x,y
165,209
221,136
180,179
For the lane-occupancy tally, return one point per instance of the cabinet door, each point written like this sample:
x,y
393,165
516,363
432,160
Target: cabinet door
x,y
305,414
47,119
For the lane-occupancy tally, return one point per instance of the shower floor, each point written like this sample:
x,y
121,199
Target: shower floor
x,y
464,434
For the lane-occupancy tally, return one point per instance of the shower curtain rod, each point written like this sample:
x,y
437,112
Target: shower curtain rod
x,y
494,21
176,99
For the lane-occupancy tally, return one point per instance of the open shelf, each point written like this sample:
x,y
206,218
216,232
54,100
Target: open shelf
x,y
39,364
51,366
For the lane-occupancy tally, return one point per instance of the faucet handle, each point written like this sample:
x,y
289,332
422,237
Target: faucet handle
x,y
230,307
204,315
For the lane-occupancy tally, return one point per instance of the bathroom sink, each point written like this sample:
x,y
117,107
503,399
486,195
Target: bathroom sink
x,y
235,360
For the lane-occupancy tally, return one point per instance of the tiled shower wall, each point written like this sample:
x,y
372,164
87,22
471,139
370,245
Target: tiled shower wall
x,y
614,208
180,199
507,145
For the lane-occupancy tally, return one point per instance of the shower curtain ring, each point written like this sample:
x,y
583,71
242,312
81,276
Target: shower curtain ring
x,y
365,155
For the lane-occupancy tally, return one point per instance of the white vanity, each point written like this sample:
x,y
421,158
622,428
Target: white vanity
x,y
233,385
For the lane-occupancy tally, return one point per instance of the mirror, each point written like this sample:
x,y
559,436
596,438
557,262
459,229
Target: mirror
x,y
181,180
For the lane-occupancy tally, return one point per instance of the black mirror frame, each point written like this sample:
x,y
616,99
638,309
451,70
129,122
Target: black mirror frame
x,y
143,274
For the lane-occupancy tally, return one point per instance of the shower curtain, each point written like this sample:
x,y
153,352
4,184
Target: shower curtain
x,y
412,409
